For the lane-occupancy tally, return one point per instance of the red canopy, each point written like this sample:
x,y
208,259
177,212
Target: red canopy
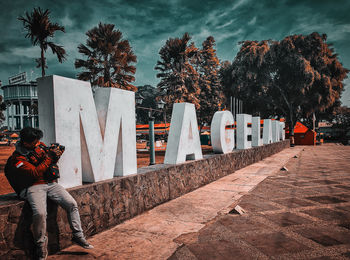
x,y
300,128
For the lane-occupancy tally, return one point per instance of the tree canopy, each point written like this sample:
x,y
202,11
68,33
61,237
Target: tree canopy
x,y
292,78
189,74
109,58
341,117
179,78
149,94
40,30
211,97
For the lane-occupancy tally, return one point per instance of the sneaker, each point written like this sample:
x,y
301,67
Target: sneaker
x,y
41,250
81,241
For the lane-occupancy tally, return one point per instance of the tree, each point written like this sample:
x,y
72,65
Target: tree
x,y
149,94
109,58
2,108
179,78
40,30
341,117
292,78
225,77
211,95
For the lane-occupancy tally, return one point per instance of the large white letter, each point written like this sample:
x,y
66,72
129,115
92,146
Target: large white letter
x,y
243,131
256,131
183,141
222,140
282,131
100,140
275,130
267,131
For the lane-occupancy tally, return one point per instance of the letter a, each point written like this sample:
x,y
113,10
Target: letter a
x,y
183,141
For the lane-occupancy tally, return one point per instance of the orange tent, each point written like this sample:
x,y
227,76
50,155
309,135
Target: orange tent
x,y
303,135
14,135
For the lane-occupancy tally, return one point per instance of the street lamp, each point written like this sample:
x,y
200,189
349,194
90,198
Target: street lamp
x,y
139,98
160,104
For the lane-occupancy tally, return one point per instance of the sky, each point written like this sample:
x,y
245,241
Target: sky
x,y
148,24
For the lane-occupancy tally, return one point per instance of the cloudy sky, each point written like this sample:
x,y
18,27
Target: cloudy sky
x,y
148,24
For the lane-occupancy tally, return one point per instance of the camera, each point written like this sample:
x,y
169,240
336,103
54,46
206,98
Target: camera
x,y
52,147
53,171
57,145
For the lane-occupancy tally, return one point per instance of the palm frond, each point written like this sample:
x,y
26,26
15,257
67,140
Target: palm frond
x,y
109,57
39,29
58,50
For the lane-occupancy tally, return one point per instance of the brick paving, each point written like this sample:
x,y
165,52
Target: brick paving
x,y
302,213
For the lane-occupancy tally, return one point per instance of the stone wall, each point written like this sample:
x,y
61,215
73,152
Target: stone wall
x,y
105,204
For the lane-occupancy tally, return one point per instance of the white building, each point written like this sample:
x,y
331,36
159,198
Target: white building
x,y
21,98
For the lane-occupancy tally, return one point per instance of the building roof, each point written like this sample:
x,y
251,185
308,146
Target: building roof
x,y
300,128
31,83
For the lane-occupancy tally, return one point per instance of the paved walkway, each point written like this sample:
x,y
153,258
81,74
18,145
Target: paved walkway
x,y
302,213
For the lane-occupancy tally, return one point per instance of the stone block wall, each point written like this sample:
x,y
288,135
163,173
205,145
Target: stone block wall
x,y
105,204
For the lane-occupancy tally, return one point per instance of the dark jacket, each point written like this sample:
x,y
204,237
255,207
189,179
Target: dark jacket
x,y
25,168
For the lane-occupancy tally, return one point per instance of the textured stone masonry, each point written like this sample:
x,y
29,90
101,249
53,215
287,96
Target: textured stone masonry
x,y
105,204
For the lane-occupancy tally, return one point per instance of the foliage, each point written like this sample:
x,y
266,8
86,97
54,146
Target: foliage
x,y
40,30
2,108
211,95
293,77
149,94
326,115
341,117
179,77
225,76
109,58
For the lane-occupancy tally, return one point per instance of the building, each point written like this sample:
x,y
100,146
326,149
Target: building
x,y
21,99
303,135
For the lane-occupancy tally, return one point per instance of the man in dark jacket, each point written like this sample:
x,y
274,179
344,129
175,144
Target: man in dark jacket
x,y
26,170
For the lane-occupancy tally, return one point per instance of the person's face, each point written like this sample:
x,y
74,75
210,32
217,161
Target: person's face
x,y
32,145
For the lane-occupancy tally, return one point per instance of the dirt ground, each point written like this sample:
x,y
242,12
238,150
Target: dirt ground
x,y
5,152
142,161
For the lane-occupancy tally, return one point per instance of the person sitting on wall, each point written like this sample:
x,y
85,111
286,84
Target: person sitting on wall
x,y
29,171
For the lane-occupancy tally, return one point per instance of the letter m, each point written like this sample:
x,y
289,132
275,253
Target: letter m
x,y
99,135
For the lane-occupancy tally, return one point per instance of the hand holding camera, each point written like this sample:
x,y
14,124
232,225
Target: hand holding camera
x,y
55,151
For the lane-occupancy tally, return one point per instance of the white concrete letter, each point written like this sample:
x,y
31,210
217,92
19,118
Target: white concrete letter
x,y
222,140
275,130
183,140
267,131
100,140
256,131
243,131
282,131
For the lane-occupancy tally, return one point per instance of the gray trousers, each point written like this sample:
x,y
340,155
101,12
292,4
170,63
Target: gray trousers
x,y
37,198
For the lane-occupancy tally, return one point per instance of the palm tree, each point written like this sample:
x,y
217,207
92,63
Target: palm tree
x,y
40,29
108,59
178,75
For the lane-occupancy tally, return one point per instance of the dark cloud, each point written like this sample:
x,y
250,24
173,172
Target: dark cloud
x,y
148,24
